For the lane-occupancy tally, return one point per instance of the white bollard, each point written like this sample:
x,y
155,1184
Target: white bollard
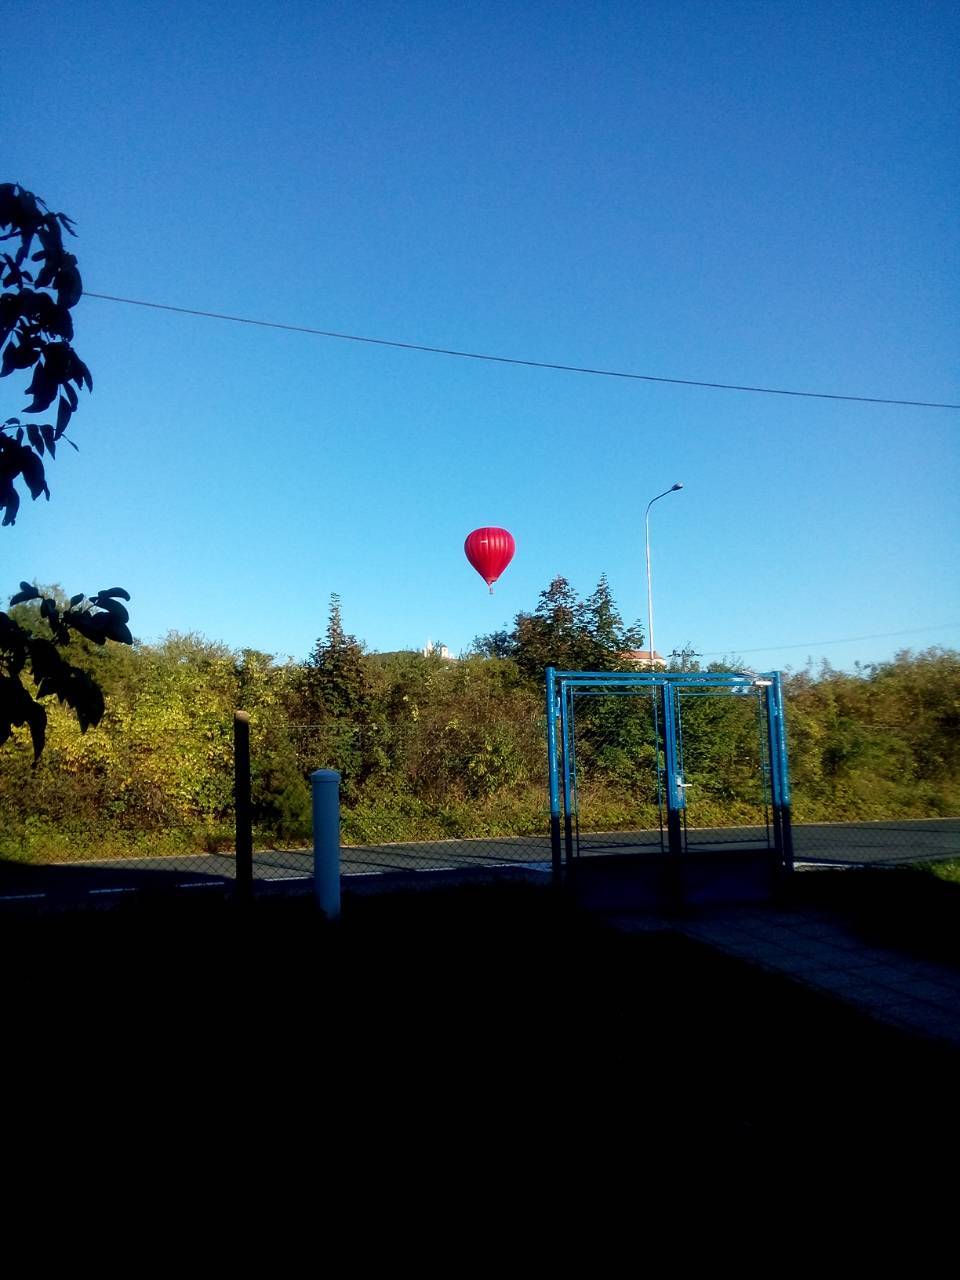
x,y
326,841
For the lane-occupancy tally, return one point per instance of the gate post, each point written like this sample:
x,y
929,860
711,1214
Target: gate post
x,y
553,774
568,749
675,799
779,774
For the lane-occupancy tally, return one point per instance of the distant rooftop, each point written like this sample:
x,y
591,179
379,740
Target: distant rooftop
x,y
439,650
644,658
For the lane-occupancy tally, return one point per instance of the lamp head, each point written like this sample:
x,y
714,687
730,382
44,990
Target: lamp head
x,y
678,485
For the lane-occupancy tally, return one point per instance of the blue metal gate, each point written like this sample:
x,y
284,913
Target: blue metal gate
x,y
659,750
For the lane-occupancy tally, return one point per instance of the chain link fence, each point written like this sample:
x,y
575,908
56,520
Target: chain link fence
x,y
118,810
106,814
453,806
878,841
618,769
110,813
617,787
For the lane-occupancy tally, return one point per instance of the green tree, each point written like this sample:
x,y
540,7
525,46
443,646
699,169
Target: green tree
x,y
498,644
337,676
336,705
607,636
36,333
565,632
880,742
280,794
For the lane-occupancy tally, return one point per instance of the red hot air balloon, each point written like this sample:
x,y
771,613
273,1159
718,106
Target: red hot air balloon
x,y
489,551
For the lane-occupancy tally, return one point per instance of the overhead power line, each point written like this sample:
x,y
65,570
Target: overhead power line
x,y
816,644
530,364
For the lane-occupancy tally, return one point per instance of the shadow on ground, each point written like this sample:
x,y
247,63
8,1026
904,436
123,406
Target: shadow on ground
x,y
497,1014
908,908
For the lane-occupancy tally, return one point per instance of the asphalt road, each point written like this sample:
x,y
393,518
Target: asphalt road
x,y
817,844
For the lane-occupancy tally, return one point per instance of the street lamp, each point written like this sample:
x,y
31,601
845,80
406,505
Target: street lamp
x,y
646,520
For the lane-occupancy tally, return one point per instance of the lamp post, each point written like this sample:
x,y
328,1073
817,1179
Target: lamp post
x,y
646,521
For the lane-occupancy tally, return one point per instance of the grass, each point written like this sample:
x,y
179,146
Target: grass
x,y
487,1009
912,908
948,870
384,819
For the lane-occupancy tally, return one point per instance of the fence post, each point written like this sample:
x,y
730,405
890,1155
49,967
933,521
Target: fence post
x,y
325,784
554,781
671,752
568,750
243,806
780,774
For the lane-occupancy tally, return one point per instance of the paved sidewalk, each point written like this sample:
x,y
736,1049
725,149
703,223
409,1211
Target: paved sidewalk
x,y
821,951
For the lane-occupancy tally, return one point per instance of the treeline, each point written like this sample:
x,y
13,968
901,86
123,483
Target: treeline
x,y
431,748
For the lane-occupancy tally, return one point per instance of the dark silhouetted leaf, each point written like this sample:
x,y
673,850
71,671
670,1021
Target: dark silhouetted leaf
x,y
115,593
113,607
25,354
18,708
38,730
69,288
86,698
45,659
9,500
46,277
62,324
36,333
41,402
32,470
92,625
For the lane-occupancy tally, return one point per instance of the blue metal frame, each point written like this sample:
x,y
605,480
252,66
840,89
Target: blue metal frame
x,y
552,769
568,725
779,772
676,801
563,686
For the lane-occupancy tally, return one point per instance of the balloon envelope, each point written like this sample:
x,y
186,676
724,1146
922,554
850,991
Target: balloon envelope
x,y
489,551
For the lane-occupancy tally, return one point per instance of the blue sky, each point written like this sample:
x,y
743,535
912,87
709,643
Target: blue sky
x,y
759,193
